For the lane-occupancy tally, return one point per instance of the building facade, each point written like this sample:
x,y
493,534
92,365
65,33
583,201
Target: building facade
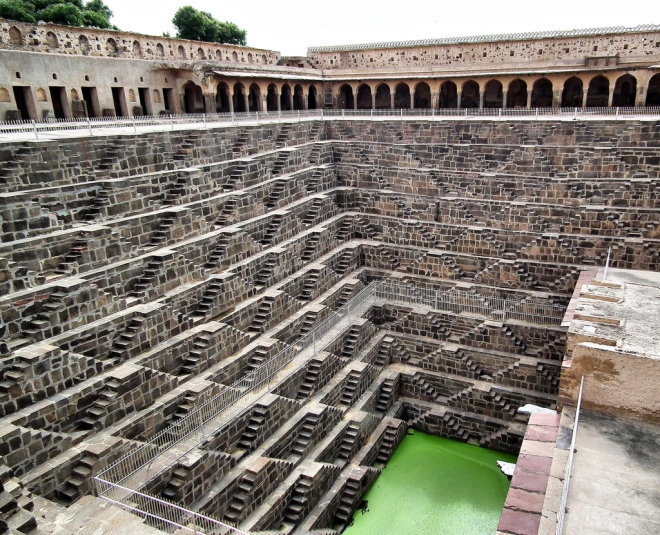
x,y
49,71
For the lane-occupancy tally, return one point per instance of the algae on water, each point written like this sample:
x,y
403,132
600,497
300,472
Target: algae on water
x,y
436,486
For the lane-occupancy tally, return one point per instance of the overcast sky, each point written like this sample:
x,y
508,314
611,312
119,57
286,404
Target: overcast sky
x,y
291,26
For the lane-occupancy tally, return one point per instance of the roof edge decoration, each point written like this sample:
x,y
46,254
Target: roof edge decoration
x,y
555,34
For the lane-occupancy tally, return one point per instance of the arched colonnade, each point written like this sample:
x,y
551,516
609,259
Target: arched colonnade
x,y
583,90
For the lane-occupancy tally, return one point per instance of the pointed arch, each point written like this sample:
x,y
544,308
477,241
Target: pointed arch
x,y
573,92
364,98
493,94
402,96
625,90
542,93
383,97
422,96
470,94
345,99
516,96
598,93
448,95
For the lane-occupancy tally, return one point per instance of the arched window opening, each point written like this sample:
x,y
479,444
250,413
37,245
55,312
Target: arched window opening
x,y
182,52
239,98
345,98
625,90
271,98
571,96
51,40
598,93
448,95
249,58
234,57
254,98
222,99
542,94
517,95
402,97
312,98
653,93
111,46
137,49
422,96
383,97
160,51
493,94
15,36
364,100
470,95
193,98
83,43
298,97
285,98
200,53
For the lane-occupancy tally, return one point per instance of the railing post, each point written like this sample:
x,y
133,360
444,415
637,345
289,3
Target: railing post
x,y
257,117
204,115
172,121
134,126
34,129
89,125
232,119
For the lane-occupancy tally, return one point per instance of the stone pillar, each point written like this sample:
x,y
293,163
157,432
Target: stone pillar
x,y
610,97
585,92
354,99
481,100
435,100
458,100
504,92
556,98
230,98
209,103
529,98
641,95
412,100
392,99
306,100
279,101
373,100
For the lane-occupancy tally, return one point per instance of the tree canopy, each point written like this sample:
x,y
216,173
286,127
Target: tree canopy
x,y
191,23
67,12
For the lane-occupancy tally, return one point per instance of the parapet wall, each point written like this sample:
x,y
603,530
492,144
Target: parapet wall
x,y
582,48
94,42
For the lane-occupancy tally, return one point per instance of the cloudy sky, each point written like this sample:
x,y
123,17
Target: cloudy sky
x,y
290,27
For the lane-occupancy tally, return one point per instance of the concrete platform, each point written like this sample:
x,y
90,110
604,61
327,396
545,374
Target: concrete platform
x,y
615,482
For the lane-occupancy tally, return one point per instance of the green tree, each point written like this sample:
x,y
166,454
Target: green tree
x,y
67,12
17,10
191,23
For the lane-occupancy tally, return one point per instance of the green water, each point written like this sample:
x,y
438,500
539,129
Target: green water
x,y
436,486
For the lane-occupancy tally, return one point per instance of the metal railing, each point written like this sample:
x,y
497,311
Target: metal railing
x,y
235,396
561,514
52,129
457,302
123,482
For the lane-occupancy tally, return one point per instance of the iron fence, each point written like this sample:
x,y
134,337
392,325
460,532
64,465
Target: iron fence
x,y
561,513
52,129
123,482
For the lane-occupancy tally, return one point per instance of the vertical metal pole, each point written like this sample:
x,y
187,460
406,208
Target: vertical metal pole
x,y
607,263
257,117
34,129
134,126
204,115
89,125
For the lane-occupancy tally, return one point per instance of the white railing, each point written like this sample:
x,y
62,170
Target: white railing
x,y
561,514
124,481
456,302
51,129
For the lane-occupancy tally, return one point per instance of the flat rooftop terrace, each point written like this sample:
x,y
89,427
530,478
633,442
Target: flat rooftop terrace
x,y
615,477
